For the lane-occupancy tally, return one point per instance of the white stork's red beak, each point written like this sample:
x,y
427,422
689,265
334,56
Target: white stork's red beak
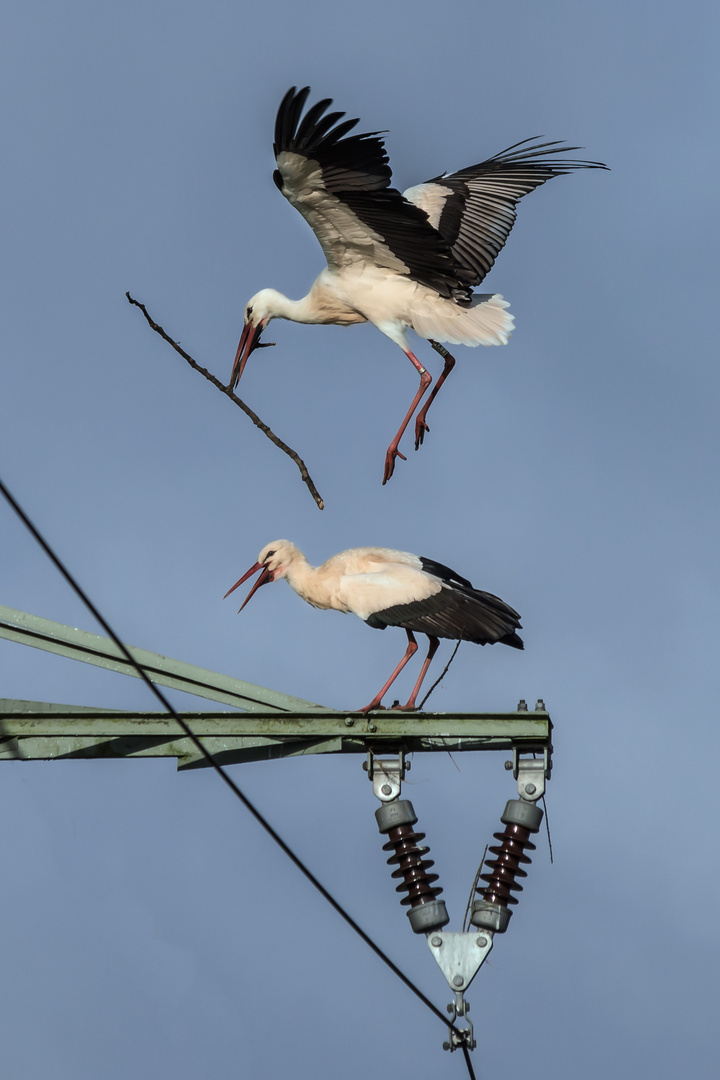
x,y
249,340
266,575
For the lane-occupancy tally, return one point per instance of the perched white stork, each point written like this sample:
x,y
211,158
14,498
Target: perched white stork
x,y
392,588
397,261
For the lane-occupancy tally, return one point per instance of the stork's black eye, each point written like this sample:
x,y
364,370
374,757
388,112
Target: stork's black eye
x,y
248,311
269,555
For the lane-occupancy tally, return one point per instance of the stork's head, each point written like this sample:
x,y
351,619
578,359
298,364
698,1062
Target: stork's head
x,y
273,562
258,313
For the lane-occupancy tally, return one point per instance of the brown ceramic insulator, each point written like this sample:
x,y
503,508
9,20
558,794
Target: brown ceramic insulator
x,y
507,866
412,867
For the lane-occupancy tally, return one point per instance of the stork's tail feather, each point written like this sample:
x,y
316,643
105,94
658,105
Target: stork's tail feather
x,y
485,322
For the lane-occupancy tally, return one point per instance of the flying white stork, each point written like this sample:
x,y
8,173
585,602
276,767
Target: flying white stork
x,y
392,588
397,261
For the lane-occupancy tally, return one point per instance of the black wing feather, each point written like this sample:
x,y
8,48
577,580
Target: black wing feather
x,y
309,123
288,115
439,570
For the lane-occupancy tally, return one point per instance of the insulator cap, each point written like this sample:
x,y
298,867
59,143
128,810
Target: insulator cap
x,y
428,917
489,916
397,812
520,812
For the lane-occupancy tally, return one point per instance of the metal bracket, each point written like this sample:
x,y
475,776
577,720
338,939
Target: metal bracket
x,y
460,956
387,775
530,773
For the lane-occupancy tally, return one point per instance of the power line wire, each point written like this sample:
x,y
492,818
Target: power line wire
x,y
468,1062
262,821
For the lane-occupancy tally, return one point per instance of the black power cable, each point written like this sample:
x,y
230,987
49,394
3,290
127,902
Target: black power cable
x,y
219,769
468,1062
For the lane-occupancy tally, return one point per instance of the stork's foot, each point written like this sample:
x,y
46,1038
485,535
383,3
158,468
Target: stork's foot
x,y
392,453
420,429
372,707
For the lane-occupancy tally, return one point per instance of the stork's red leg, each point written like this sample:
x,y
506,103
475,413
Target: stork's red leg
x,y
420,425
434,642
393,451
410,651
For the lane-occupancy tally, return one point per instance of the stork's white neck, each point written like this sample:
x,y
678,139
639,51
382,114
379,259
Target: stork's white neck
x,y
280,306
323,304
306,582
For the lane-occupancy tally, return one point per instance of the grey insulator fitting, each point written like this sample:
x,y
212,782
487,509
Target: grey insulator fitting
x,y
392,814
489,916
428,917
519,812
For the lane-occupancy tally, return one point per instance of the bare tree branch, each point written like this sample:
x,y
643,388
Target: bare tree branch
x,y
306,477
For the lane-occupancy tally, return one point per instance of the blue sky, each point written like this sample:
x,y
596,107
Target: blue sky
x,y
151,929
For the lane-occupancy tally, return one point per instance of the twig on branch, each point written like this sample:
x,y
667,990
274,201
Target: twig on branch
x,y
440,678
306,477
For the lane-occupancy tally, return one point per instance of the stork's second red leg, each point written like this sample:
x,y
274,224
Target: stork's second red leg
x,y
420,425
434,642
410,651
392,451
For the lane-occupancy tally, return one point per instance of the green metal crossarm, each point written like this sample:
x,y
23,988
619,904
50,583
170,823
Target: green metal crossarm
x,y
102,652
32,730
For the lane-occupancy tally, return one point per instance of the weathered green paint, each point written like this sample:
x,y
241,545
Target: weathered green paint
x,y
35,731
102,652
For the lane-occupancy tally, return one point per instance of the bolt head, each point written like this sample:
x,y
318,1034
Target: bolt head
x,y
458,980
508,765
530,788
349,723
372,727
482,942
436,941
386,789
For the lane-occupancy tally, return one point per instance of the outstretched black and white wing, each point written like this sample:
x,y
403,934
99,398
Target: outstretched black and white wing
x,y
340,183
475,209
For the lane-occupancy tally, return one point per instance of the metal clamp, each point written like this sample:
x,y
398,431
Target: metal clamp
x,y
387,775
460,1037
530,773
